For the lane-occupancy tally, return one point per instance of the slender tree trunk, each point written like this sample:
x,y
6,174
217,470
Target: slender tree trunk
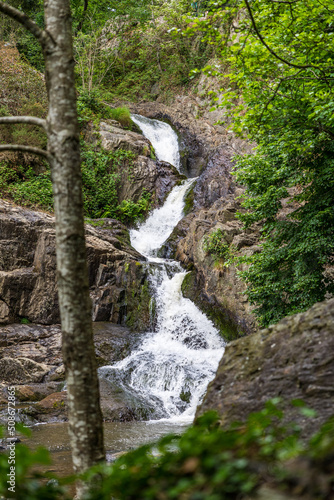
x,y
61,125
85,419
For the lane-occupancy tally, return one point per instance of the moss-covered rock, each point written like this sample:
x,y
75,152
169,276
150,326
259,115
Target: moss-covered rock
x,y
293,360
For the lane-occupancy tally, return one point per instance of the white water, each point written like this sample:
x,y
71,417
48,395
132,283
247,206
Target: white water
x,y
154,232
162,137
170,370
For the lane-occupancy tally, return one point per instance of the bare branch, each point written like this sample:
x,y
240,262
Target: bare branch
x,y
24,149
41,35
30,120
299,66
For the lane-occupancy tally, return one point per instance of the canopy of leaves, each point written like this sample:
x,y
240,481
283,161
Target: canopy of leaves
x,y
279,62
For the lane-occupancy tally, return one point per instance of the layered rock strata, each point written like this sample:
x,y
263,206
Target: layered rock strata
x,y
28,290
31,360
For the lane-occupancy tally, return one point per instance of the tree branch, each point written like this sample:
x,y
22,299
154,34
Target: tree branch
x,y
41,35
31,120
24,149
299,66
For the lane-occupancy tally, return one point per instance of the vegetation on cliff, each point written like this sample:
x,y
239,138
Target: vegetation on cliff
x,y
279,92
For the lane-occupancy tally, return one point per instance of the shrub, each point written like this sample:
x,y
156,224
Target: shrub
x,y
122,115
215,245
129,211
205,463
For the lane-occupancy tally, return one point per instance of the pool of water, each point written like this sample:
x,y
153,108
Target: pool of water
x,y
118,437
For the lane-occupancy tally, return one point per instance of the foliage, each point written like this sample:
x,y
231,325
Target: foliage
x,y
205,463
100,178
122,115
279,91
91,107
288,275
93,58
129,211
13,32
215,244
29,484
152,59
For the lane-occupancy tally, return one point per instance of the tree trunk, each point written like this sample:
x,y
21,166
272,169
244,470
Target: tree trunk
x,y
85,418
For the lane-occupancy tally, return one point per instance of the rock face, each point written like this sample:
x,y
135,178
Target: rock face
x,y
114,138
153,176
31,360
212,284
199,138
293,360
144,173
28,290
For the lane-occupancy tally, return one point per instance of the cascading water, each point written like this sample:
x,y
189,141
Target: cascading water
x,y
162,137
170,370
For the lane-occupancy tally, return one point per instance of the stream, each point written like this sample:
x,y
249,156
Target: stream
x,y
169,371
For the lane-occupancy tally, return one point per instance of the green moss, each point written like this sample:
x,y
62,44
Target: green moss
x,y
185,396
122,115
152,153
189,200
138,300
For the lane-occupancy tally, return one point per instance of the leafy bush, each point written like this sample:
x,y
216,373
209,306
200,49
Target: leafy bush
x,y
214,244
129,211
100,181
276,101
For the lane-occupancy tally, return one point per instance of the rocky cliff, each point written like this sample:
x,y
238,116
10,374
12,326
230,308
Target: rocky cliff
x,y
211,204
28,289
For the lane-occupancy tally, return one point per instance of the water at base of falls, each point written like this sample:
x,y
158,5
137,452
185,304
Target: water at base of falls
x,y
169,371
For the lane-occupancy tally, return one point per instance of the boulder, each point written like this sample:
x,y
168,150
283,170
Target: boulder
x,y
114,138
28,288
20,348
291,360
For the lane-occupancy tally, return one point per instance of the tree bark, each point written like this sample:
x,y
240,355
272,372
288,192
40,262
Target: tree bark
x,y
85,418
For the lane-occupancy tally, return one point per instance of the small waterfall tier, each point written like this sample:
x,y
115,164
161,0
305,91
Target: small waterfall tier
x,y
170,369
162,137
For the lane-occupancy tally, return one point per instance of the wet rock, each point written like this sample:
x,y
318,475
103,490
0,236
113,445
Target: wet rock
x,y
35,392
53,408
144,173
215,287
21,370
43,383
153,176
291,360
32,353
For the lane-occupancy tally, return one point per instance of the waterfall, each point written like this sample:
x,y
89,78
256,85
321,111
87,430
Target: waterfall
x,y
162,137
170,370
